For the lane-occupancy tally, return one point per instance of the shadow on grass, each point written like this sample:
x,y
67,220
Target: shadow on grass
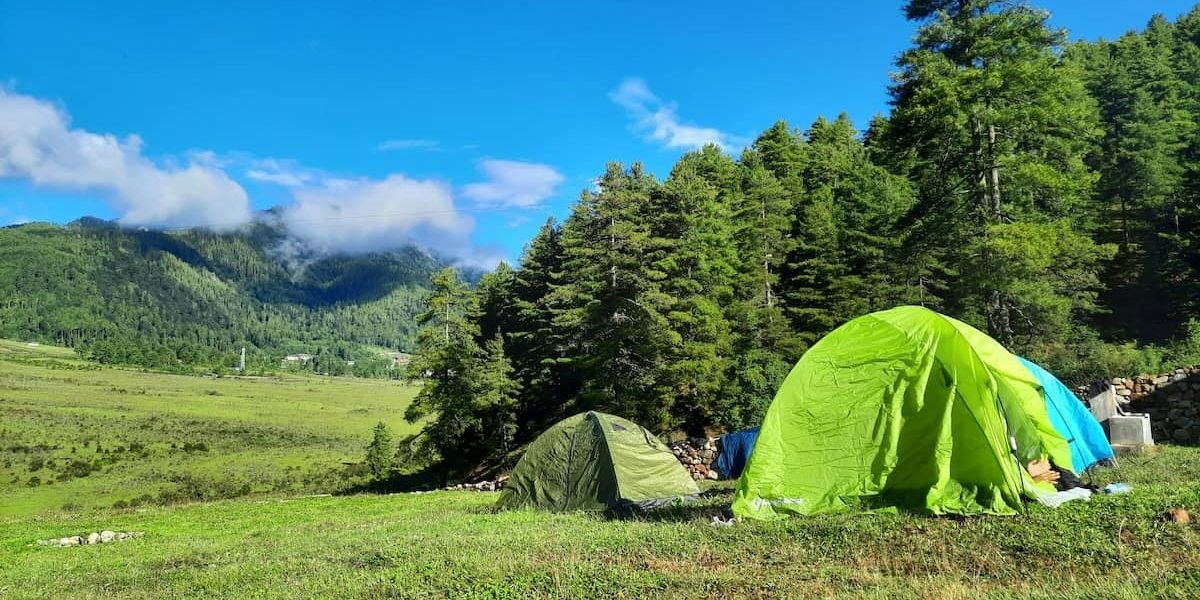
x,y
422,481
711,503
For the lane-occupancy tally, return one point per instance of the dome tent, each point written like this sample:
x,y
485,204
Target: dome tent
x,y
904,408
735,451
595,461
1085,437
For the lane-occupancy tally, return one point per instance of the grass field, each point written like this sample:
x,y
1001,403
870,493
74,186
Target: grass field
x,y
78,436
450,544
286,439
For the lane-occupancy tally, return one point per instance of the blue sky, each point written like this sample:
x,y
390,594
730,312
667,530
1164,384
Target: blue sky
x,y
461,125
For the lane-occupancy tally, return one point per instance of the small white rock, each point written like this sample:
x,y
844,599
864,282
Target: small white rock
x,y
93,538
107,536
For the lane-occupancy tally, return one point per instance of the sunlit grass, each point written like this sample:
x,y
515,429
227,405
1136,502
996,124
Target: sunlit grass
x,y
451,544
286,438
288,434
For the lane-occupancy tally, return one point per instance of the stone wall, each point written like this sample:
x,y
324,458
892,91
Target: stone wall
x,y
1171,399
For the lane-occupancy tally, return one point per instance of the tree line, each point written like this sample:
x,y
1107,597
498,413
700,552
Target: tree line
x,y
1043,191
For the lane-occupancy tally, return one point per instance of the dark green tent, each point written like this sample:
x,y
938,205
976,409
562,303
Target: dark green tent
x,y
594,461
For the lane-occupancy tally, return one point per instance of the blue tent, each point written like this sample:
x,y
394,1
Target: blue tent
x,y
1072,420
735,451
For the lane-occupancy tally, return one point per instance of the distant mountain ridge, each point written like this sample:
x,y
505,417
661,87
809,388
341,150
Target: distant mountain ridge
x,y
182,299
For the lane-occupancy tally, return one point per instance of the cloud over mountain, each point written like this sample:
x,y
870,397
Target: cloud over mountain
x,y
327,213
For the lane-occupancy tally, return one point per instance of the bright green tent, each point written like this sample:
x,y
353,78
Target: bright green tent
x,y
904,408
594,461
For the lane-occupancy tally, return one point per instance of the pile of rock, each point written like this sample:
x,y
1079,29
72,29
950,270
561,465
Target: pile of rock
x,y
481,486
697,455
95,537
1172,400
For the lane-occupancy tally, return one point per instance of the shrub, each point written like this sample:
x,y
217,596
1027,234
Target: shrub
x,y
381,452
77,468
193,488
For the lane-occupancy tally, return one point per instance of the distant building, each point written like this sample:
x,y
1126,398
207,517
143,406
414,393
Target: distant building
x,y
399,359
297,358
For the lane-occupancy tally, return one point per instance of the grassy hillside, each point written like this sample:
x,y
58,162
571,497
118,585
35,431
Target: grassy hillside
x,y
450,544
195,298
78,436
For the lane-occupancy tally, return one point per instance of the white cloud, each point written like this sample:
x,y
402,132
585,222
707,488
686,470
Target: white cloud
x,y
513,184
284,172
278,178
37,144
658,122
484,257
409,144
365,215
329,213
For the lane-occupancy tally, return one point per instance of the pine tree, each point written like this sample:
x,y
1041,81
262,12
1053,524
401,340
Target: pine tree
x,y
448,362
613,308
497,303
695,252
539,347
380,452
782,152
844,264
1142,103
1182,234
763,350
994,126
763,237
815,262
497,397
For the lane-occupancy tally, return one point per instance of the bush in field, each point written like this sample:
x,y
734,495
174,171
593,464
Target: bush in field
x,y
381,452
77,468
194,488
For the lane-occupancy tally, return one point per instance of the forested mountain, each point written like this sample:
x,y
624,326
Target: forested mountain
x,y
195,298
1045,192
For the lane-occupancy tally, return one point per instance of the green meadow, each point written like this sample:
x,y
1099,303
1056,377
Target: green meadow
x,y
231,472
75,436
451,544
